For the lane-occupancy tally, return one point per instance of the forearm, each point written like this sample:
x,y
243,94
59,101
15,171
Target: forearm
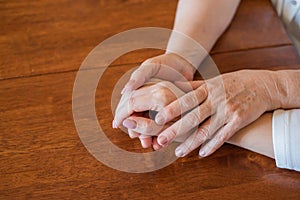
x,y
287,92
203,21
256,137
282,89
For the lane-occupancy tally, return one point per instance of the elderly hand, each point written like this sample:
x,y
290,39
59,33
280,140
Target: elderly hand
x,y
152,96
220,107
168,67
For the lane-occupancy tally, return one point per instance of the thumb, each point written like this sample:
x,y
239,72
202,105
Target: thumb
x,y
140,76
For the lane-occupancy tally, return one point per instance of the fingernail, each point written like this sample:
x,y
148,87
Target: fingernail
x,y
202,153
128,123
162,140
179,152
143,144
114,124
159,119
143,141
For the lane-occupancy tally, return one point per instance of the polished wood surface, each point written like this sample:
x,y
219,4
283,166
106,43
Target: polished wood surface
x,y
42,44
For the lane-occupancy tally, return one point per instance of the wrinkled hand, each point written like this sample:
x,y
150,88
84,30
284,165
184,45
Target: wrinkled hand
x,y
152,96
220,107
168,67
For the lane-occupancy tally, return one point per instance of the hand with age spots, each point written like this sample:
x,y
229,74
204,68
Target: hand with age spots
x,y
219,107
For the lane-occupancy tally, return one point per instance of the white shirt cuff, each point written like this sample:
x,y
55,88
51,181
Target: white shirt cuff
x,y
286,138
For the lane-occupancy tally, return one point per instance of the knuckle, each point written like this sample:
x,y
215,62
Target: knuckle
x,y
201,93
234,111
193,118
205,90
205,109
170,111
144,126
230,108
238,117
131,102
221,139
202,133
162,95
188,100
156,106
172,133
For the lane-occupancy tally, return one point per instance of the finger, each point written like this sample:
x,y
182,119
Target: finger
x,y
218,140
135,102
143,126
194,140
153,97
185,124
122,110
205,131
155,144
181,105
140,76
132,134
188,86
146,141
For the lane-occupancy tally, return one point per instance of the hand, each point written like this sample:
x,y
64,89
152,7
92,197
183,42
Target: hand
x,y
152,96
168,67
143,127
220,107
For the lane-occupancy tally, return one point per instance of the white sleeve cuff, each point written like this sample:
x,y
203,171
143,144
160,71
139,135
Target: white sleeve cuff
x,y
286,138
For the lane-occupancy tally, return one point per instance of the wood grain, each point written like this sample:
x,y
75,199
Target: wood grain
x,y
255,25
42,44
43,158
46,37
265,58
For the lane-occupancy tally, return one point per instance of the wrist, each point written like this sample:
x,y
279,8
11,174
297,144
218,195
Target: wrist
x,y
275,90
187,48
186,69
282,90
287,88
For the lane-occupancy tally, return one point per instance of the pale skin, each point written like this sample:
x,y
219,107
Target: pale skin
x,y
194,19
248,94
218,108
255,137
242,106
157,95
222,107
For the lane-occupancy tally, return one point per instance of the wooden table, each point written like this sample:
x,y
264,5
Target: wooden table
x,y
42,44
